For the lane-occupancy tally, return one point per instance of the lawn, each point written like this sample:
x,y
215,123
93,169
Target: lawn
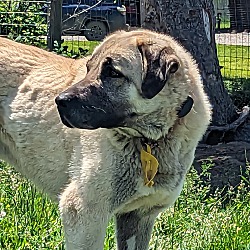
x,y
74,45
77,48
235,60
28,220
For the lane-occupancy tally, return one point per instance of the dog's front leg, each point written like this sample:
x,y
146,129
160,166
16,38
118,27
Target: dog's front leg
x,y
134,229
84,219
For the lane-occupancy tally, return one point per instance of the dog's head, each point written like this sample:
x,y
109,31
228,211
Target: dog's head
x,y
137,80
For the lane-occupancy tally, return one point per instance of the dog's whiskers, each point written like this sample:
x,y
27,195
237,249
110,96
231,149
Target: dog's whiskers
x,y
98,109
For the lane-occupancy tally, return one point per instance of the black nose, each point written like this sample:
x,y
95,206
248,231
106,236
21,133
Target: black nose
x,y
63,100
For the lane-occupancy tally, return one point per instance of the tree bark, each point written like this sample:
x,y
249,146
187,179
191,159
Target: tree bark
x,y
192,23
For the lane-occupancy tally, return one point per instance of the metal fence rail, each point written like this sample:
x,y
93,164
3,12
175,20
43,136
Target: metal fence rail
x,y
24,20
233,37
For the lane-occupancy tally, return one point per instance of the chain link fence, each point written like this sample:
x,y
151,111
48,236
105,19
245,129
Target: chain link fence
x,y
233,37
86,22
24,21
233,47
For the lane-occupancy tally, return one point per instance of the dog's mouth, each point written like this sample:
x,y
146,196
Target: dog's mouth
x,y
89,117
66,122
82,125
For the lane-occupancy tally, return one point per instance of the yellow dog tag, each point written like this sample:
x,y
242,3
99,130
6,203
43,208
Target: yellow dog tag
x,y
149,166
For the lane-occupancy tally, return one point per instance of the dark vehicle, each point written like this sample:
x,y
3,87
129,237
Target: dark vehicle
x,y
92,18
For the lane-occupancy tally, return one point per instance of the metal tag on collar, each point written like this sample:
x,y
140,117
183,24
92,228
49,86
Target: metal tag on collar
x,y
149,166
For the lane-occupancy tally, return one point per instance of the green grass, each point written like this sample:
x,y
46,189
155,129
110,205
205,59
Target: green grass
x,y
74,45
225,24
77,49
28,220
235,60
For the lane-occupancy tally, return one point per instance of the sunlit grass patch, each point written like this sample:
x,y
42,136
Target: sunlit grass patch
x,y
29,220
235,60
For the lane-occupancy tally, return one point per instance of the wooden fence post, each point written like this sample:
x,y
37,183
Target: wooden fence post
x,y
142,12
54,24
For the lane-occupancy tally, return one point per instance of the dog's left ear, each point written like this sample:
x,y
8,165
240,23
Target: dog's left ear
x,y
157,68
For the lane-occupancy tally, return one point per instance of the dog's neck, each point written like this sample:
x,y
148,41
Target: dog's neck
x,y
125,137
143,148
152,143
128,135
122,137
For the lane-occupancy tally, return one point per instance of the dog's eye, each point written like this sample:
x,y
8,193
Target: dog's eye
x,y
113,73
108,70
173,66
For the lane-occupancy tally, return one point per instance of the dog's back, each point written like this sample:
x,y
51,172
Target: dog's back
x,y
32,137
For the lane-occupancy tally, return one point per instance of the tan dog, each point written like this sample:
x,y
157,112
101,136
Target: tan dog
x,y
140,110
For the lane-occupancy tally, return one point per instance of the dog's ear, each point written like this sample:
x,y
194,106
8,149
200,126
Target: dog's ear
x,y
157,68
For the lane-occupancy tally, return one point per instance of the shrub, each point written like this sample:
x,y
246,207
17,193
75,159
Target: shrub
x,y
23,21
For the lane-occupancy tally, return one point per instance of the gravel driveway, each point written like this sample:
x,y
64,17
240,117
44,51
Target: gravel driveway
x,y
233,39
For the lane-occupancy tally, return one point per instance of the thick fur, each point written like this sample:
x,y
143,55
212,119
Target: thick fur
x,y
32,137
135,85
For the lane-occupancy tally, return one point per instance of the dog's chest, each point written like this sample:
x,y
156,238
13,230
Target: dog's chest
x,y
147,199
129,188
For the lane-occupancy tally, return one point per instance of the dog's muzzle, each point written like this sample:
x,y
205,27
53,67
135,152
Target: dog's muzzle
x,y
87,108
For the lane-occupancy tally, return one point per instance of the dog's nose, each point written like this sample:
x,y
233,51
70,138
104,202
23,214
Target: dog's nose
x,y
63,99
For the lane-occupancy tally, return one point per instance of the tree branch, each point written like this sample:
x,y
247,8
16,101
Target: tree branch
x,y
229,127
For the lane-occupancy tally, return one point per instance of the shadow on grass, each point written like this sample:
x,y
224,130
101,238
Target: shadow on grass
x,y
239,90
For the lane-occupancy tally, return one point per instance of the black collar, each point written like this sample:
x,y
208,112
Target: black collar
x,y
186,107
